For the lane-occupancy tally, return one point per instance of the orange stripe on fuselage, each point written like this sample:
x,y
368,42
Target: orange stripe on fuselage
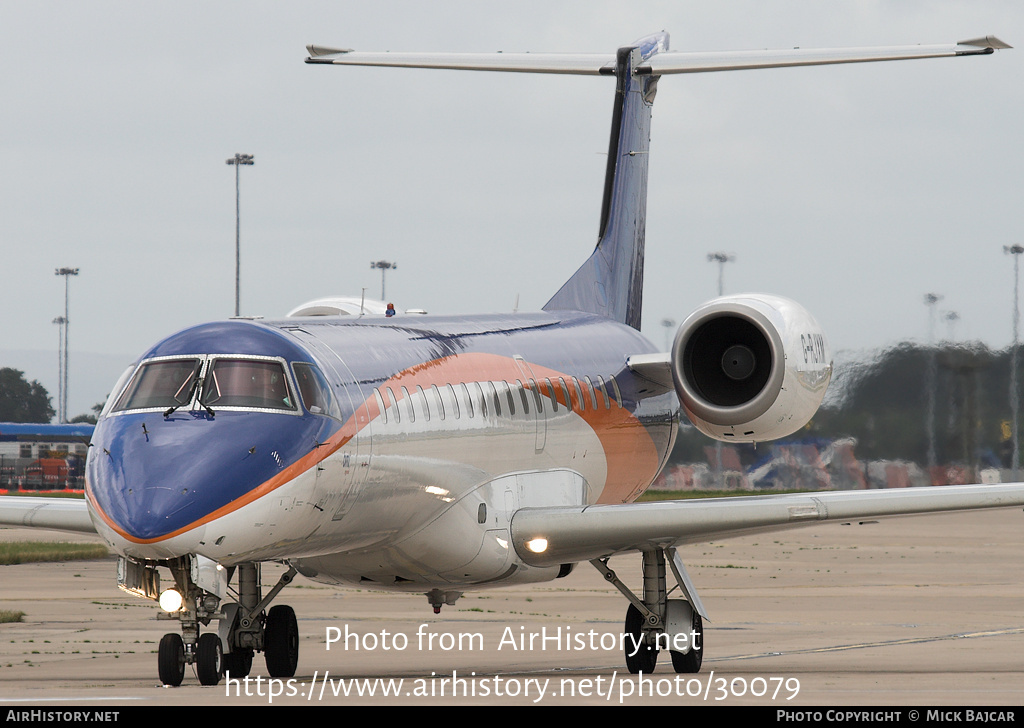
x,y
631,455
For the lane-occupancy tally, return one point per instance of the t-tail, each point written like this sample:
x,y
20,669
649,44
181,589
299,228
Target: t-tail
x,y
610,282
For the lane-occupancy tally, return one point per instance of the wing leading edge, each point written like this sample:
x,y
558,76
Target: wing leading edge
x,y
56,514
571,534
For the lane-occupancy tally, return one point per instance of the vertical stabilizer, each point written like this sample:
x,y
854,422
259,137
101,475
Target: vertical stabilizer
x,y
611,282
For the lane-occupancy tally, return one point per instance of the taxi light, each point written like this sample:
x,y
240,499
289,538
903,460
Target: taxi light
x,y
537,545
170,600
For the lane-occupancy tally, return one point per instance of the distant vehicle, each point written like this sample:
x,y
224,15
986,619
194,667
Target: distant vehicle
x,y
46,473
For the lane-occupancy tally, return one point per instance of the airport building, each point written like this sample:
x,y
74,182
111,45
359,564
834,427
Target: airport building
x,y
43,457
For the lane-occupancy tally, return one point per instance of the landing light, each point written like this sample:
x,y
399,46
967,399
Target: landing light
x,y
537,545
442,493
170,600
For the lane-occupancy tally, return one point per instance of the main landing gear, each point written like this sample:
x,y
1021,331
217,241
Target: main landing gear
x,y
244,627
656,622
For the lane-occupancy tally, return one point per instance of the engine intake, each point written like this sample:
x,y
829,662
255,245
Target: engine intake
x,y
750,368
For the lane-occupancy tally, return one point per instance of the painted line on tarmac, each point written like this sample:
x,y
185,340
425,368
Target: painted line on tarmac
x,y
881,643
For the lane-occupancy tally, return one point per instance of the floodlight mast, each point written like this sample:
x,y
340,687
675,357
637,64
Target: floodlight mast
x,y
62,403
931,373
384,266
238,160
1015,251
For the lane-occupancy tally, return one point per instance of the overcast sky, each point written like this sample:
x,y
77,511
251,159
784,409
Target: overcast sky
x,y
853,189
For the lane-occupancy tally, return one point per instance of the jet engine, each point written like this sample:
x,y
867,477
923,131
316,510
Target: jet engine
x,y
751,367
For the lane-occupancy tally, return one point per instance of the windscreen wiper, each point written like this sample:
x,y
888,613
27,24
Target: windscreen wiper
x,y
182,401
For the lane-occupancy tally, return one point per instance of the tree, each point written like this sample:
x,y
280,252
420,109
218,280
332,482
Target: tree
x,y
22,401
89,419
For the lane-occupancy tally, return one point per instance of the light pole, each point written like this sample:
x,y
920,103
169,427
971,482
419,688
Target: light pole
x,y
384,267
238,160
951,318
721,259
60,321
1015,251
930,299
62,416
669,325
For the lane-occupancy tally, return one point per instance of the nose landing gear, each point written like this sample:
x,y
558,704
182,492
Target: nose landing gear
x,y
245,627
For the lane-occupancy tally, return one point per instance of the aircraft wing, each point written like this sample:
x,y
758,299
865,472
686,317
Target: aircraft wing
x,y
584,533
661,63
57,514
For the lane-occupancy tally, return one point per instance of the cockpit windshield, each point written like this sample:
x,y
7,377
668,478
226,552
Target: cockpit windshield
x,y
161,384
246,383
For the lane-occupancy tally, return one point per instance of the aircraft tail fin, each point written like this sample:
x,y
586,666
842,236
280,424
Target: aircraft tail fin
x,y
610,282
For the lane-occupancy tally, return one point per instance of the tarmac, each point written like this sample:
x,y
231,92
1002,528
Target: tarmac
x,y
922,611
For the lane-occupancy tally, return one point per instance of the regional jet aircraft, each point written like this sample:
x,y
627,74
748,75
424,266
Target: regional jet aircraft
x,y
440,454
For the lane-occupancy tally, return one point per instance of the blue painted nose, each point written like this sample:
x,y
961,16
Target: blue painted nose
x,y
154,476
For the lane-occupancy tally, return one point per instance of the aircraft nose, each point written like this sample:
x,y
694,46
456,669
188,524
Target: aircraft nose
x,y
153,477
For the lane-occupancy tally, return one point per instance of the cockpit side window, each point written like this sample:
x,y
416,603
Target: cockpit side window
x,y
315,391
246,383
115,393
161,384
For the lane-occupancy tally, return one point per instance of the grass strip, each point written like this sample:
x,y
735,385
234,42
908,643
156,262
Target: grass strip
x,y
25,552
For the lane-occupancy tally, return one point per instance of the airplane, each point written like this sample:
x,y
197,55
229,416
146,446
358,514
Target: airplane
x,y
438,454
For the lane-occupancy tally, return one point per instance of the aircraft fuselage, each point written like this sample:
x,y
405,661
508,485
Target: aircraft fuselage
x,y
434,431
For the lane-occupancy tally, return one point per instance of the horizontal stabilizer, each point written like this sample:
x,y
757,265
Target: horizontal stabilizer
x,y
662,63
591,64
665,63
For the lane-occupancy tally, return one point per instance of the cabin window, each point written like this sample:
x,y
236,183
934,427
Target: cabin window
x,y
552,395
604,392
503,385
590,390
394,405
453,401
579,394
618,394
469,400
169,383
535,388
423,399
565,391
438,403
497,399
381,407
411,411
483,399
524,397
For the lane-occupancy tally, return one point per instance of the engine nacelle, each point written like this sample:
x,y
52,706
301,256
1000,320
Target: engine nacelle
x,y
750,368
